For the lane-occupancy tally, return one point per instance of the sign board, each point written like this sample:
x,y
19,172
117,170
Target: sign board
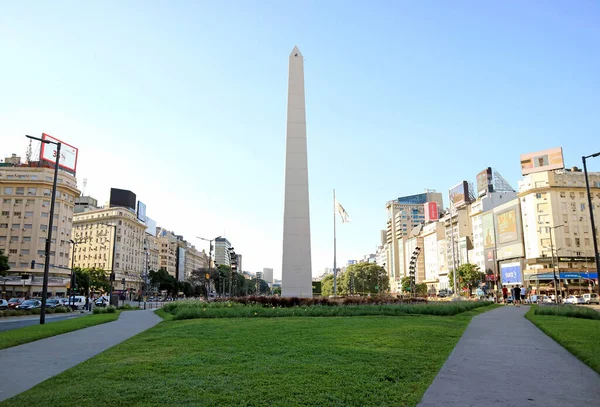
x,y
459,194
141,211
546,160
511,273
68,153
431,212
484,182
507,226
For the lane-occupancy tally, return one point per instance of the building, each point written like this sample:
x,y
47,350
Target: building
x,y
222,252
194,260
25,193
239,262
169,251
111,237
458,238
153,252
403,215
434,246
85,204
268,275
411,243
556,224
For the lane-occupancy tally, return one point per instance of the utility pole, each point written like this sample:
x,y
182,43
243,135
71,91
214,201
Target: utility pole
x,y
592,222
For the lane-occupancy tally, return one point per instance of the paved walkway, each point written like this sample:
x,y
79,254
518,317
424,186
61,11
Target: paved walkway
x,y
32,363
503,359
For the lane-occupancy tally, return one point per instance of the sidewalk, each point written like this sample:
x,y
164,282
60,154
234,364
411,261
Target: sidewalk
x,y
503,359
34,362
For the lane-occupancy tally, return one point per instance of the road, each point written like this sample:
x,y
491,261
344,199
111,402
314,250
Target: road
x,y
20,322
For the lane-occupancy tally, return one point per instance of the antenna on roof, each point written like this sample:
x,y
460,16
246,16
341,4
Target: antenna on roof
x,y
28,153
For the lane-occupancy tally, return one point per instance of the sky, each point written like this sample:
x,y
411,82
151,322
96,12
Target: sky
x,y
184,103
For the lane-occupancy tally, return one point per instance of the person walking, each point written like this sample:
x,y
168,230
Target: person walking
x,y
504,294
517,296
87,303
523,294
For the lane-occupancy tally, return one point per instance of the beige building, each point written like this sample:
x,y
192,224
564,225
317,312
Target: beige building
x,y
25,193
556,201
413,241
94,233
434,254
458,237
168,246
194,260
153,249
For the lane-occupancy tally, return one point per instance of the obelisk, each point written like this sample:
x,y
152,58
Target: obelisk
x,y
297,265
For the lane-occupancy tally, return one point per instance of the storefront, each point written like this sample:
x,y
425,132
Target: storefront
x,y
570,282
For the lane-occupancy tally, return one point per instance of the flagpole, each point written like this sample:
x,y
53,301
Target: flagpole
x,y
334,251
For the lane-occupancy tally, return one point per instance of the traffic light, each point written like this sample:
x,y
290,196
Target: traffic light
x,y
123,280
112,276
32,264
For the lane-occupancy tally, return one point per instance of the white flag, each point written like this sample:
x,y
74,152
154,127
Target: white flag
x,y
342,212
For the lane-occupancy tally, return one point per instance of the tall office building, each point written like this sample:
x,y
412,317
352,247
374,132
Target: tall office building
x,y
222,253
25,193
268,275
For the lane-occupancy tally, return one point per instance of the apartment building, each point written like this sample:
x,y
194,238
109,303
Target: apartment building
x,y
25,193
111,239
268,275
153,252
403,214
458,238
556,223
222,253
433,245
413,241
168,246
194,260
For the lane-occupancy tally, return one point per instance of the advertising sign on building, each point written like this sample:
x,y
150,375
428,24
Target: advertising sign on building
x,y
490,262
546,160
507,226
123,198
459,194
511,273
150,226
68,153
489,238
484,182
141,211
431,212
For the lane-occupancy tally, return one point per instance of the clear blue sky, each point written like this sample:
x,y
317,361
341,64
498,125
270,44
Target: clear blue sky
x,y
185,102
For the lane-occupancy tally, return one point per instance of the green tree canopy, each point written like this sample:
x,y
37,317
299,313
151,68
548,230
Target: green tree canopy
x,y
4,267
326,285
91,280
363,278
405,281
467,276
162,280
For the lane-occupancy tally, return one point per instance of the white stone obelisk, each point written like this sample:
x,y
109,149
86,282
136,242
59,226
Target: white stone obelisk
x,y
297,265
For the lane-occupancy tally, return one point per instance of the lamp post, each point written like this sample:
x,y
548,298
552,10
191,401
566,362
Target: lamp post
x,y
556,281
50,225
591,209
74,243
210,249
112,268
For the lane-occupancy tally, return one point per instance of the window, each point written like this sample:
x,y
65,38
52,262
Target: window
x,y
44,227
28,214
575,230
27,239
20,191
18,201
586,241
52,253
54,228
41,253
29,202
566,228
16,226
18,214
44,214
42,240
581,195
28,226
7,200
8,190
582,206
45,204
13,251
25,251
5,213
577,241
568,242
2,238
563,195
14,238
31,191
46,192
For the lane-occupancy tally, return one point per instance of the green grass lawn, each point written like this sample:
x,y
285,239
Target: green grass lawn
x,y
299,361
32,333
579,336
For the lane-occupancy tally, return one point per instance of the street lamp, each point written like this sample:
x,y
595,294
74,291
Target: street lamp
x,y
591,208
74,243
50,225
112,268
556,281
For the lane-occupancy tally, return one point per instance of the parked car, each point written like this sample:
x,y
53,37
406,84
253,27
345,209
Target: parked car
x,y
592,298
101,302
3,304
574,300
509,299
64,302
76,301
29,304
14,302
52,302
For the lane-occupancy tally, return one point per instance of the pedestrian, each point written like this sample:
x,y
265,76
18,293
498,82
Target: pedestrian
x,y
87,303
517,295
523,294
504,293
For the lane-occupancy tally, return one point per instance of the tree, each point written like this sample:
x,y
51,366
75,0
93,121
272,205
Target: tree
x,y
363,278
326,286
4,267
276,290
467,276
421,290
91,280
405,281
163,281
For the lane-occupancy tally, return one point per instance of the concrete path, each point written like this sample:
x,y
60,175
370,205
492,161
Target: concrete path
x,y
503,359
32,363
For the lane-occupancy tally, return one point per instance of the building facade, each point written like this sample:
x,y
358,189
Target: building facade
x,y
25,193
111,239
222,253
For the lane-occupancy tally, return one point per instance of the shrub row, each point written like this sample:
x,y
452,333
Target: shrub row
x,y
107,310
568,311
197,309
35,311
128,307
286,302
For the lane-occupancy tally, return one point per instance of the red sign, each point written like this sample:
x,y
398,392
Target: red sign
x,y
431,212
490,277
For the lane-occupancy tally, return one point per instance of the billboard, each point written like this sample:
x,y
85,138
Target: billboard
x,y
459,194
507,226
511,273
546,160
68,153
431,212
141,211
490,262
150,226
489,235
484,182
122,197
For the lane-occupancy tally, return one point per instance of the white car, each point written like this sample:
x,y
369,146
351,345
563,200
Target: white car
x,y
592,298
574,300
3,304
